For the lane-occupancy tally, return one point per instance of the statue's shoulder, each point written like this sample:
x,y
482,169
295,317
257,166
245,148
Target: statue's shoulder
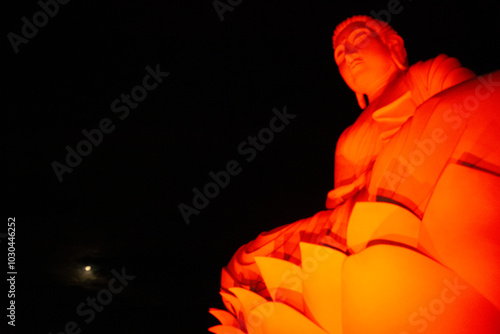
x,y
440,65
429,77
436,62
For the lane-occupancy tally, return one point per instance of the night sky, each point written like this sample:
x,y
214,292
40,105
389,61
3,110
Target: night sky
x,y
119,207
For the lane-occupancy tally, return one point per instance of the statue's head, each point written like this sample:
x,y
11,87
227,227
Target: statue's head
x,y
369,54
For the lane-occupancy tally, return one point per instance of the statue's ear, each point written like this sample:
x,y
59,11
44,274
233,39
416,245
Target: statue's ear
x,y
398,52
361,100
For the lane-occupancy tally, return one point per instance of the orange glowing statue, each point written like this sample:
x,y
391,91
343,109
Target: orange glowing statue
x,y
411,238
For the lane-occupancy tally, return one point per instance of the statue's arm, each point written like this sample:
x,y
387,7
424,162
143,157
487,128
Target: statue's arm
x,y
344,172
348,179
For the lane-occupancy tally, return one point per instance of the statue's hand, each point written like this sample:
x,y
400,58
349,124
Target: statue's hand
x,y
340,194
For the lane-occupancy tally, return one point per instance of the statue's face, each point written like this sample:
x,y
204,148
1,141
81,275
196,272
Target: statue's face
x,y
365,62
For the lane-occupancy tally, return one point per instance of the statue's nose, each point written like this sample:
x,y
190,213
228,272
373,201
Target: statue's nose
x,y
350,56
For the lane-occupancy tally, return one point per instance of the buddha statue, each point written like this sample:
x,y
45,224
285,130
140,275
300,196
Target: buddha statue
x,y
409,239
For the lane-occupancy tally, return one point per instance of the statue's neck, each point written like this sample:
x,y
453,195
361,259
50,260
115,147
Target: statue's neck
x,y
389,93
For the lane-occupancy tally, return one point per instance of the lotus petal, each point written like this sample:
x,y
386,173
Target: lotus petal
x,y
322,268
224,317
376,220
281,280
278,318
221,329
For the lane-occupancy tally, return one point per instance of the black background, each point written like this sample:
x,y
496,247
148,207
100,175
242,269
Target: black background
x,y
119,207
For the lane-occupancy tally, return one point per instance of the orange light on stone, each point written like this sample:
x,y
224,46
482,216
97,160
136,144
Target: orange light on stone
x,y
410,240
